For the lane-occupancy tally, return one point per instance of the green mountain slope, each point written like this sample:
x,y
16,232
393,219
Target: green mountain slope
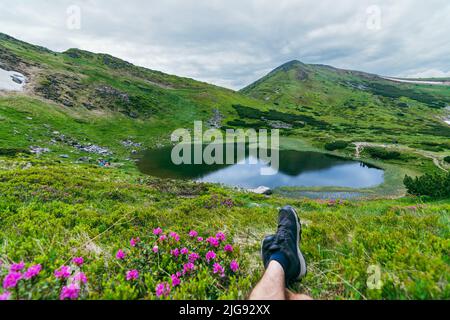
x,y
99,90
356,105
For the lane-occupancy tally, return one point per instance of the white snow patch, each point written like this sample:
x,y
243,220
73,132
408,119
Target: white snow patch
x,y
11,80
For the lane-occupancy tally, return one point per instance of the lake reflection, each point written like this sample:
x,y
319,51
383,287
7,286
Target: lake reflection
x,y
297,169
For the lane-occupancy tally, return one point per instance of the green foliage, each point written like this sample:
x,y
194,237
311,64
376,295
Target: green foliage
x,y
52,212
336,145
433,185
447,159
381,153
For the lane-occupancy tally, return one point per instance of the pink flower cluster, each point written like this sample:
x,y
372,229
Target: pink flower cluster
x,y
132,275
15,275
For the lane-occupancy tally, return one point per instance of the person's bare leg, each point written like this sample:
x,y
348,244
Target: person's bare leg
x,y
272,285
296,296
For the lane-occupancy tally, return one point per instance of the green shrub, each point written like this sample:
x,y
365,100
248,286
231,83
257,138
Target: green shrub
x,y
447,159
383,154
336,145
432,185
10,152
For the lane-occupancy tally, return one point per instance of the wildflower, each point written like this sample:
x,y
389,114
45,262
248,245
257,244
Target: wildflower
x,y
210,256
157,231
163,238
175,280
218,269
175,236
155,249
213,242
188,267
11,280
32,271
134,242
70,292
5,296
162,289
228,248
63,272
132,275
79,261
221,237
193,234
175,252
200,239
80,277
234,266
194,257
184,251
16,267
120,255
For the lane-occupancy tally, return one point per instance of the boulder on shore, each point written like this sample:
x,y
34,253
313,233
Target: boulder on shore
x,y
262,190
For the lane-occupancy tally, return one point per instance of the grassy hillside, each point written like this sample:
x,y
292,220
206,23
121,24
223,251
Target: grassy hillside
x,y
59,204
53,212
356,106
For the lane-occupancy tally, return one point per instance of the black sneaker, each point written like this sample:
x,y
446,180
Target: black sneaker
x,y
266,253
287,242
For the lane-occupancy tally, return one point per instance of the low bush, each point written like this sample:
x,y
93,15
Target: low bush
x,y
383,154
447,159
336,145
432,185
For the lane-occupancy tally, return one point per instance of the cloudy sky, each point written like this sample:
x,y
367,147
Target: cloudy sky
x,y
234,42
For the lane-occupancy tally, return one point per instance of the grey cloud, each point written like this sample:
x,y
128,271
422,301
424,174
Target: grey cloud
x,y
232,43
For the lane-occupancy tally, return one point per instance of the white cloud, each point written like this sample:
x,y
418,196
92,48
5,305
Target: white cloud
x,y
234,42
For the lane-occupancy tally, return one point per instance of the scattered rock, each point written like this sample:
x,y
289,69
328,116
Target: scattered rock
x,y
130,144
64,156
38,150
216,121
262,190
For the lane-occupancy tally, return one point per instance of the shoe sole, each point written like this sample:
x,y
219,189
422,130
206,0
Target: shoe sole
x,y
261,251
303,266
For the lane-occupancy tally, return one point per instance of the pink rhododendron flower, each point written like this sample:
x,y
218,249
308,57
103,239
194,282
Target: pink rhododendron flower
x,y
221,236
218,269
188,267
163,238
213,242
132,275
228,248
63,272
70,292
11,280
16,267
80,277
162,289
194,257
175,280
175,252
157,231
155,249
175,236
234,266
184,251
210,256
79,261
200,239
32,271
193,234
5,296
134,242
120,255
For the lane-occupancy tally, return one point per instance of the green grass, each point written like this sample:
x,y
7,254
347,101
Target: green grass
x,y
49,213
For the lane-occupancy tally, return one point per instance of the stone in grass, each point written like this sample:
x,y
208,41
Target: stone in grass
x,y
262,190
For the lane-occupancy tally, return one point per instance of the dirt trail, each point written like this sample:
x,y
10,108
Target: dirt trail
x,y
427,154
